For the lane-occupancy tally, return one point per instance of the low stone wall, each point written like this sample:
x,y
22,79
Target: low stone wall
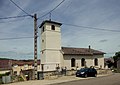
x,y
99,72
55,74
116,70
71,72
48,75
104,71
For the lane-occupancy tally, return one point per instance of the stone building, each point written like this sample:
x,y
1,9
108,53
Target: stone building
x,y
53,55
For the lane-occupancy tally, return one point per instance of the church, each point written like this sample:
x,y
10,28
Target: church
x,y
53,55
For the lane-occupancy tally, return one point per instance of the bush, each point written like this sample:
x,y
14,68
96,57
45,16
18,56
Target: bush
x,y
116,70
6,74
20,78
0,80
2,75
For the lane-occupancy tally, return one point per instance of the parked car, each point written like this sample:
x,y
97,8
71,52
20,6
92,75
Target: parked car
x,y
86,72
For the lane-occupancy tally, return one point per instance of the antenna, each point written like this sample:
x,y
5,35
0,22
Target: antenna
x,y
50,16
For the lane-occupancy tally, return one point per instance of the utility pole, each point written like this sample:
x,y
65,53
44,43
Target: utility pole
x,y
35,46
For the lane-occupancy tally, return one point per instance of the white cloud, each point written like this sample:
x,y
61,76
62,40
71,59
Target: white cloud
x,y
95,13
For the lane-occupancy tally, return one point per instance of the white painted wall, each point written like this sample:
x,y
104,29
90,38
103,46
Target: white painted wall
x,y
89,61
50,47
51,54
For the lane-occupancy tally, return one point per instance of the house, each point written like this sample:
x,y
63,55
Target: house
x,y
17,66
53,55
5,66
23,65
74,58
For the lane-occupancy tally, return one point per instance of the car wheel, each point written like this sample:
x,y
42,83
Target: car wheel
x,y
86,76
95,75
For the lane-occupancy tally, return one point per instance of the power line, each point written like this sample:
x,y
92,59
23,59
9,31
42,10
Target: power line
x,y
21,8
12,21
13,17
52,9
15,38
16,20
64,10
13,33
94,28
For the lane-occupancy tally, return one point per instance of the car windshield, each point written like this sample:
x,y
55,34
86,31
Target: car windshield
x,y
83,69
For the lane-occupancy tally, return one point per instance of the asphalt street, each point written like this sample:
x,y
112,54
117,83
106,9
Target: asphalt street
x,y
107,80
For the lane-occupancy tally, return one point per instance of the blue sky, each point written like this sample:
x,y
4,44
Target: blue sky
x,y
102,14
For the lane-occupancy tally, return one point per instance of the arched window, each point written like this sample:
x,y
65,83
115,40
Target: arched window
x,y
82,62
96,62
52,27
72,62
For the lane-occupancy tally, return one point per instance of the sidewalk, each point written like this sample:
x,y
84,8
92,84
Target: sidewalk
x,y
47,82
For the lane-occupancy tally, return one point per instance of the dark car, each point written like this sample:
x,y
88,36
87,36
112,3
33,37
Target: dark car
x,y
86,72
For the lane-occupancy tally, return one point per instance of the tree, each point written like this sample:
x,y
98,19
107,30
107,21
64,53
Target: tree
x,y
110,63
116,57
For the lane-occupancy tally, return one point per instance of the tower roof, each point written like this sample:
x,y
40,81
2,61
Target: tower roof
x,y
48,21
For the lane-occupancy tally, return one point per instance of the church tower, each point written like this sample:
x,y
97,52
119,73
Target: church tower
x,y
50,45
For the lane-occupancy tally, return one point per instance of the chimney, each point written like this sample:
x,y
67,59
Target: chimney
x,y
89,48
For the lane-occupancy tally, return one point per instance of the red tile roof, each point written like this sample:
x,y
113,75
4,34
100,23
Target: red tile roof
x,y
81,51
24,62
7,63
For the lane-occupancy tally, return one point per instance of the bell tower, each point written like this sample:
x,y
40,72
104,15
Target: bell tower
x,y
50,45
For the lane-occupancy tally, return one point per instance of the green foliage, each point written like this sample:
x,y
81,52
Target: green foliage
x,y
16,78
6,74
20,78
116,57
2,75
116,70
1,81
110,63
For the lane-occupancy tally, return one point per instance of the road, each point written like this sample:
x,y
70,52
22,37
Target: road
x,y
107,80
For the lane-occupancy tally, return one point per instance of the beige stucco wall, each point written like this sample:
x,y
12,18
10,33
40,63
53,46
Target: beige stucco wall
x,y
19,68
52,58
51,38
50,47
89,61
51,54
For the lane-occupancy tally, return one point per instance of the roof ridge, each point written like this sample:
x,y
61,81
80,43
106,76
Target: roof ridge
x,y
86,51
75,47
